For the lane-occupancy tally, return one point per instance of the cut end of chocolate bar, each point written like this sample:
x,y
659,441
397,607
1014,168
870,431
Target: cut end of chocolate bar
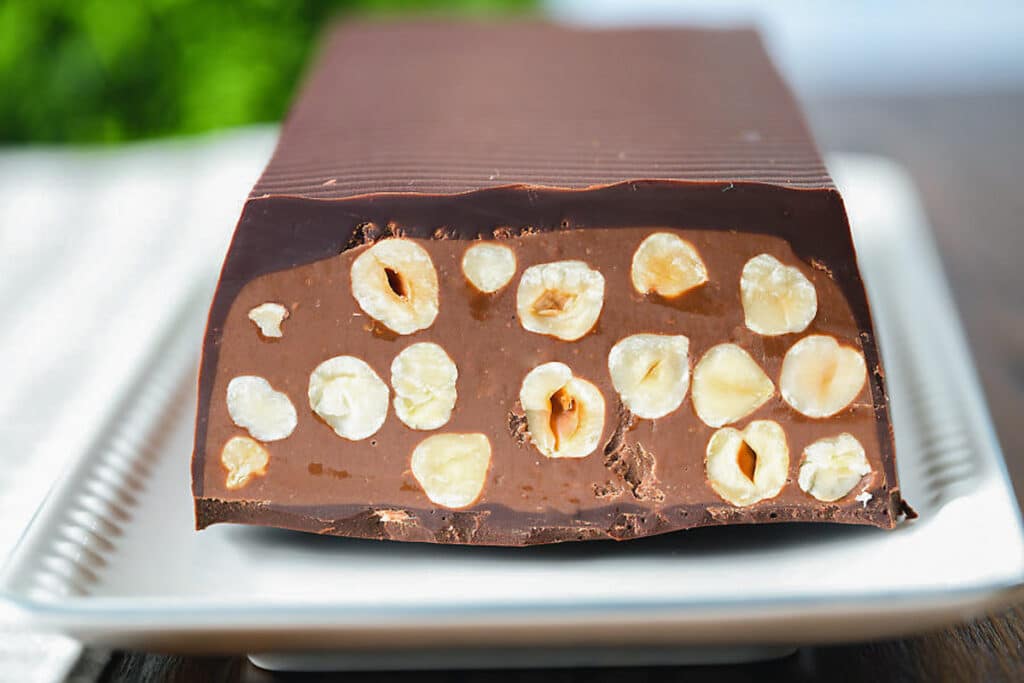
x,y
518,284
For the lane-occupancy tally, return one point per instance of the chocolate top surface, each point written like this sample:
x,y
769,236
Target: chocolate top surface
x,y
453,108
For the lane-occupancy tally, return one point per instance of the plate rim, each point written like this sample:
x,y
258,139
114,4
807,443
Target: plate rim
x,y
185,615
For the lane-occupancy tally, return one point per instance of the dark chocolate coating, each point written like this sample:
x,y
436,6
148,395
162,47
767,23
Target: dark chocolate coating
x,y
451,133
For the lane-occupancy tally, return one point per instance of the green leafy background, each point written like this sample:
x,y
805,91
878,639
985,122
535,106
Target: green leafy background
x,y
113,70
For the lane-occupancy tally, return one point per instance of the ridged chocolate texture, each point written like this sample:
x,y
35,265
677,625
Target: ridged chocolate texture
x,y
560,144
456,108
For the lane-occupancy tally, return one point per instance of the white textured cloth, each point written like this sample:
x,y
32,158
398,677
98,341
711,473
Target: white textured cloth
x,y
97,249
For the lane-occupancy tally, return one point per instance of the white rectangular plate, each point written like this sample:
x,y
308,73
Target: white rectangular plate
x,y
112,558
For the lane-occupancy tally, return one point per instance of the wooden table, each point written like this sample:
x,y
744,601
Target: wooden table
x,y
966,154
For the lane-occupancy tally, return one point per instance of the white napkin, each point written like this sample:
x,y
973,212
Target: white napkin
x,y
97,247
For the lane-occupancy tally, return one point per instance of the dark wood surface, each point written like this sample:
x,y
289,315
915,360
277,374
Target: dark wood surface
x,y
966,154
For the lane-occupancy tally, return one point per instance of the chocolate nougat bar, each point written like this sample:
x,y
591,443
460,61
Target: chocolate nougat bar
x,y
514,284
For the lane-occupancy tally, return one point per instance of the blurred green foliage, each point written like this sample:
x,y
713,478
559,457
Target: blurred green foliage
x,y
112,70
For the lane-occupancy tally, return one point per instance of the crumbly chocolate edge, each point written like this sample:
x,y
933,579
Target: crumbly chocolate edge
x,y
483,526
